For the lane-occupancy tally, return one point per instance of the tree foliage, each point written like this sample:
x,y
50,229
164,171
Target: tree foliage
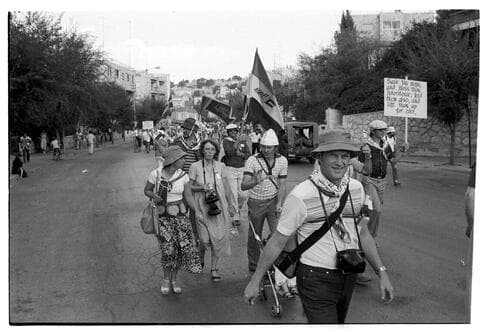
x,y
54,78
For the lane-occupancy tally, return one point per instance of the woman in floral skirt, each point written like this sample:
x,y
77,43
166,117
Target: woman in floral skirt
x,y
175,231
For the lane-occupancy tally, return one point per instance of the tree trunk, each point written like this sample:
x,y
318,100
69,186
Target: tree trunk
x,y
452,128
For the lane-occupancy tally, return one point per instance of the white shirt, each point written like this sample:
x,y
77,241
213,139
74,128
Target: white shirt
x,y
176,194
55,144
90,138
303,213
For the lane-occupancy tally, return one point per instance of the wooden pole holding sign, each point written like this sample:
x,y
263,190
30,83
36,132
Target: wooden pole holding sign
x,y
405,98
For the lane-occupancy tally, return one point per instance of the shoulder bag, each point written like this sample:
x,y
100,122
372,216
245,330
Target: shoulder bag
x,y
149,219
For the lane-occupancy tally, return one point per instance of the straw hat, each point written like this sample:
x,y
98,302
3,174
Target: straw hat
x,y
337,139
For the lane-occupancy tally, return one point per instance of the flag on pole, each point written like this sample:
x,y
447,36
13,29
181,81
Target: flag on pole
x,y
169,106
217,107
261,102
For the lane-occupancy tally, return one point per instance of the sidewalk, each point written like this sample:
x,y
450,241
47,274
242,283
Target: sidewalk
x,y
39,160
461,164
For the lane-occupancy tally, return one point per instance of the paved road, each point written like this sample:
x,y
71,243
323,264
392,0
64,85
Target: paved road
x,y
77,253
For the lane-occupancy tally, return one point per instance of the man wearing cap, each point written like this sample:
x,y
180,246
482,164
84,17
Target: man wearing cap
x,y
265,177
374,180
325,291
189,143
235,154
391,140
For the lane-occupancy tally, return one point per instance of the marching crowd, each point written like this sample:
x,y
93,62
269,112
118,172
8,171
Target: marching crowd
x,y
212,174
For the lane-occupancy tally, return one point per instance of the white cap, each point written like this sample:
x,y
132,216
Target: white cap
x,y
231,126
390,129
269,138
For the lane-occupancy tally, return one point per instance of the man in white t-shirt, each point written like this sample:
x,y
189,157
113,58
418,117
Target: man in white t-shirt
x,y
325,291
255,137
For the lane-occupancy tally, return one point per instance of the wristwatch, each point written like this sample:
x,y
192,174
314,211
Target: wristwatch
x,y
382,268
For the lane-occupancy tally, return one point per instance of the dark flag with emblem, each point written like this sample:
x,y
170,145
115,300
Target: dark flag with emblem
x,y
217,107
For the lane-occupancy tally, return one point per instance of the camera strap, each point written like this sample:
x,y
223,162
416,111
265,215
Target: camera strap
x,y
269,172
353,213
204,173
316,235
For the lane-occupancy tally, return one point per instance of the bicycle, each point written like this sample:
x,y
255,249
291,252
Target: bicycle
x,y
57,154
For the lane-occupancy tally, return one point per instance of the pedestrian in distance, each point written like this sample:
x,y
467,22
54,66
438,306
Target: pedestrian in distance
x,y
175,231
25,147
55,145
17,168
210,190
146,140
391,140
374,180
236,152
44,141
90,142
325,289
264,176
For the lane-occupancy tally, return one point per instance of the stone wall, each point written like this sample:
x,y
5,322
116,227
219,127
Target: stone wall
x,y
427,137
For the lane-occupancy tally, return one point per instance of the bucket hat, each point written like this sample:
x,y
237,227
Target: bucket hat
x,y
337,139
190,124
170,155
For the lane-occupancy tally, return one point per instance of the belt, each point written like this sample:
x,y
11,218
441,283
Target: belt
x,y
319,269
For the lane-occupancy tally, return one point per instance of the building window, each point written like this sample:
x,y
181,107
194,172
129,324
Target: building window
x,y
395,24
386,25
117,73
391,25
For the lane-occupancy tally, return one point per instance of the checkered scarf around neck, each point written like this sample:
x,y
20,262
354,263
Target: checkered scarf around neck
x,y
327,187
332,190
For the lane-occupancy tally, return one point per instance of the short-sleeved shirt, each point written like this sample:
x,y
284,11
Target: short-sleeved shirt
x,y
191,155
266,189
25,142
55,144
90,138
303,213
254,137
177,191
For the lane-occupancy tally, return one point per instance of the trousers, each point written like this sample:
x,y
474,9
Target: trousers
x,y
258,210
238,197
325,294
375,188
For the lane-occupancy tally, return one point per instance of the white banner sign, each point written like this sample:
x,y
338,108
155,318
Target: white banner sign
x,y
147,124
405,98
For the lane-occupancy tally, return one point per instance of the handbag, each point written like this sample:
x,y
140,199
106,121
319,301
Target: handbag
x,y
149,219
286,262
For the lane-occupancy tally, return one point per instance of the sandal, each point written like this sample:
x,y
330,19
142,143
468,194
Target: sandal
x,y
176,289
165,289
293,290
284,292
216,277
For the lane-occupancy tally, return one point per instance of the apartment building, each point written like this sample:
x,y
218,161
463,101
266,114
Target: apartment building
x,y
154,86
387,27
119,73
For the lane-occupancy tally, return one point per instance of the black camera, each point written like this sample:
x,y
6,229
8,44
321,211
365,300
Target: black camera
x,y
211,197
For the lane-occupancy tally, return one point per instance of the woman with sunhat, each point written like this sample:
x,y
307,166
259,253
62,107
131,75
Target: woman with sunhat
x,y
175,232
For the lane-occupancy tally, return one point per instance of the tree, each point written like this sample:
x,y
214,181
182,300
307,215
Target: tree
x,y
54,78
338,77
448,60
149,110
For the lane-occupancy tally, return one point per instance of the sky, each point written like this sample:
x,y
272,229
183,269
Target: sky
x,y
210,43
206,44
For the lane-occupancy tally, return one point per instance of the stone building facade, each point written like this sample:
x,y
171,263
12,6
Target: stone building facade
x,y
426,137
